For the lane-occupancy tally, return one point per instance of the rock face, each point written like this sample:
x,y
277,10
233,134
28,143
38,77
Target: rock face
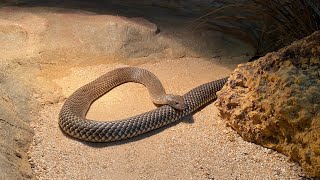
x,y
15,132
275,102
15,139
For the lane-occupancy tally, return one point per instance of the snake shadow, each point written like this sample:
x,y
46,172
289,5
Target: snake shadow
x,y
187,119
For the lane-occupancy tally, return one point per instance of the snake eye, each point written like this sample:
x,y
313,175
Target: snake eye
x,y
180,106
177,102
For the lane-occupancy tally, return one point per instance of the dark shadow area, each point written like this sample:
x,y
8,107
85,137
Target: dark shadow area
x,y
159,15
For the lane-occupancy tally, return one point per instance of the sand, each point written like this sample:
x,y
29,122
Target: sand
x,y
197,147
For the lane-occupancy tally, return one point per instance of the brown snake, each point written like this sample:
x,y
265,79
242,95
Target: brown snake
x,y
72,117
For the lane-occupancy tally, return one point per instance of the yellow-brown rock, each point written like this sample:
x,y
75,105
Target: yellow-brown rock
x,y
275,102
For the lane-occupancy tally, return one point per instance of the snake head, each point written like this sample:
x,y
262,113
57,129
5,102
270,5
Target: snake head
x,y
176,101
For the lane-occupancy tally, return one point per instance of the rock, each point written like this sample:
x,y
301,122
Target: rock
x,y
54,35
275,102
15,138
15,107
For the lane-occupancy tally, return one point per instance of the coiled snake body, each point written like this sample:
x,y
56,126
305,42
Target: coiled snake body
x,y
72,117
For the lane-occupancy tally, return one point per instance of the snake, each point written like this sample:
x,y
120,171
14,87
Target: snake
x,y
72,116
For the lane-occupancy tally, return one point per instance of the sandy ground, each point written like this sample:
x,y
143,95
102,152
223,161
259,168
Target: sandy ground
x,y
201,147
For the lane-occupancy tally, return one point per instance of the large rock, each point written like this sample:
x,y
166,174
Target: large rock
x,y
54,36
275,102
15,116
15,138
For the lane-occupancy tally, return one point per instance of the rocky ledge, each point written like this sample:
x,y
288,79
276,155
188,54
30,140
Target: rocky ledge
x,y
275,102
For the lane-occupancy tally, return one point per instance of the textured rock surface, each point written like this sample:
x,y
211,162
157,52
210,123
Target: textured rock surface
x,y
15,138
275,102
15,132
58,35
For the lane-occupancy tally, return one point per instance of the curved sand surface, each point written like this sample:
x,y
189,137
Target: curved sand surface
x,y
198,147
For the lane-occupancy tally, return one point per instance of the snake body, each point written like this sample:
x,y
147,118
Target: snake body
x,y
72,117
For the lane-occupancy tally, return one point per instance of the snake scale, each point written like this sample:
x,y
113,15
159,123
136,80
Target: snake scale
x,y
72,117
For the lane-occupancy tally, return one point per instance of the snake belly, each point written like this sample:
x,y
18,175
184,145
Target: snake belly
x,y
73,121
